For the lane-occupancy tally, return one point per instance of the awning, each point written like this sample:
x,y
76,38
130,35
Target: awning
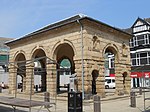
x,y
140,74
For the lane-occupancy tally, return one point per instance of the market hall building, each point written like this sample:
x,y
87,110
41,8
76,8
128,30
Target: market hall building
x,y
77,45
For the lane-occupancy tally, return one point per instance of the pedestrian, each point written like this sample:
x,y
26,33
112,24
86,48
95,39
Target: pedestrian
x,y
2,85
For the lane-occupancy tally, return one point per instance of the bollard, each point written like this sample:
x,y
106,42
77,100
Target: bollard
x,y
0,89
132,99
47,98
140,91
97,103
36,88
68,87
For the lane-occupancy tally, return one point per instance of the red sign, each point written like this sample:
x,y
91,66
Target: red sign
x,y
112,75
140,74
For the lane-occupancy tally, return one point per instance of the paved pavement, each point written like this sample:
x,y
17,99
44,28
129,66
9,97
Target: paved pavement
x,y
108,104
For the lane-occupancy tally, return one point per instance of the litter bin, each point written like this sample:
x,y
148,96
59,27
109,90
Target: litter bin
x,y
74,102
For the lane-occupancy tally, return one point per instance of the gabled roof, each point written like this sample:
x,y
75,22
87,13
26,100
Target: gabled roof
x,y
145,20
140,19
62,23
59,23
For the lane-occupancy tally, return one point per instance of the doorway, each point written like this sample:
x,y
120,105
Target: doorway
x,y
94,77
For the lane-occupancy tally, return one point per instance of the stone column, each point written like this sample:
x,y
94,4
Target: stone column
x,y
78,70
128,81
100,82
119,79
30,79
12,78
24,83
51,79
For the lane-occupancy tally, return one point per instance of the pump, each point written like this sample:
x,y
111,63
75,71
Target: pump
x,y
73,83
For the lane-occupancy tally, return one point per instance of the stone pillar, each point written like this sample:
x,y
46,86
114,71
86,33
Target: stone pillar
x,y
43,81
78,70
100,82
30,79
51,79
24,83
128,81
119,79
12,78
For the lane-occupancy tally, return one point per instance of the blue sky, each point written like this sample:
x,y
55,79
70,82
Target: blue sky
x,y
20,17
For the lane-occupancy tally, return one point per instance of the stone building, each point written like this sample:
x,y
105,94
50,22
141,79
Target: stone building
x,y
82,42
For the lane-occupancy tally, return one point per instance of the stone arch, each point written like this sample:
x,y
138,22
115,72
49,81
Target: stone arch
x,y
113,48
60,42
35,49
21,70
63,50
17,54
111,57
40,72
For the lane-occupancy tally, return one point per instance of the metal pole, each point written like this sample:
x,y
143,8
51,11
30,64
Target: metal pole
x,y
16,84
81,32
32,67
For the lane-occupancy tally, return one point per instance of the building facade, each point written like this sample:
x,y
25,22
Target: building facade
x,y
140,52
77,45
4,59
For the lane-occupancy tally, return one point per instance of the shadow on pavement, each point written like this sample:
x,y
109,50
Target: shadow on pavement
x,y
9,109
146,110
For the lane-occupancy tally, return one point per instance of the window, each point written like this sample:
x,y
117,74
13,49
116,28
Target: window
x,y
113,80
111,59
142,58
139,28
131,43
108,80
139,40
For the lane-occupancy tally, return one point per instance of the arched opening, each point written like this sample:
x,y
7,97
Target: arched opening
x,y
124,80
94,77
64,55
21,72
109,69
39,70
64,73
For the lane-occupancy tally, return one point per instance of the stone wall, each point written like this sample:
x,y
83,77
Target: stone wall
x,y
96,39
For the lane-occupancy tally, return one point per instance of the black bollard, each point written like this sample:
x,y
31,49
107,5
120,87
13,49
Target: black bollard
x,y
132,99
1,89
97,103
36,88
140,91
